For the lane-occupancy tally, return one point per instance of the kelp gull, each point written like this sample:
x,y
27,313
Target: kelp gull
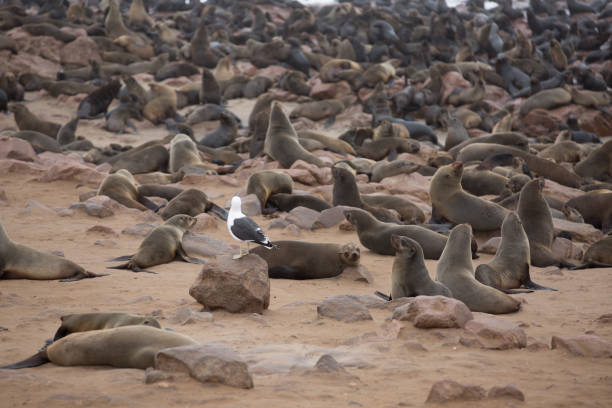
x,y
244,229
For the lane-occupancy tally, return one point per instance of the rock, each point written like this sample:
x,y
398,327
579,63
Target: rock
x,y
329,90
186,315
251,205
560,192
328,364
278,223
274,72
322,175
109,243
30,63
509,391
303,217
153,376
101,229
604,318
580,232
236,285
565,249
302,176
358,273
596,122
538,122
80,52
216,363
141,229
491,246
413,184
86,195
66,168
98,206
8,166
330,217
203,245
346,226
413,345
583,346
448,390
205,222
346,308
493,333
17,149
293,230
429,312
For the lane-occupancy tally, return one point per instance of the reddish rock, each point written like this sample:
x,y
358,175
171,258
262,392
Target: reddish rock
x,y
508,391
596,122
428,312
302,176
346,308
20,167
321,175
41,46
413,184
583,346
493,333
559,191
496,95
274,72
329,90
450,81
29,63
70,169
330,217
15,148
448,390
538,122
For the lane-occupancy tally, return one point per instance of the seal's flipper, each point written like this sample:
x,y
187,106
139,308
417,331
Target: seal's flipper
x,y
80,275
490,162
61,332
37,359
329,122
285,272
120,258
220,212
382,296
528,283
148,203
182,255
392,155
590,265
515,291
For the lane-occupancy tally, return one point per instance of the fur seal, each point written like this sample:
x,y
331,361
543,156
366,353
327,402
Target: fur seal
x,y
66,134
376,235
388,147
481,181
546,99
121,347
306,260
121,187
39,141
224,134
409,276
281,141
331,142
191,202
345,192
512,139
163,105
384,169
21,262
114,23
146,158
201,54
536,218
596,209
137,14
162,245
287,202
317,110
96,103
81,322
294,82
26,120
455,270
509,269
267,183
183,152
450,201
210,91
408,212
175,70
456,132
118,118
598,164
598,255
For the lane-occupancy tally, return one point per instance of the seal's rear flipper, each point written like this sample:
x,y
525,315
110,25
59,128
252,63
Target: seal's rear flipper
x,y
590,265
382,296
220,212
329,122
120,258
130,266
515,291
148,203
37,359
532,285
182,256
490,162
86,275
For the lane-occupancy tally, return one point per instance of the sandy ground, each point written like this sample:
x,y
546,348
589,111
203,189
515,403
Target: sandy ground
x,y
384,368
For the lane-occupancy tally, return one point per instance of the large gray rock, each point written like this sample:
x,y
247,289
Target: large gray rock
x,y
584,345
448,390
331,217
204,245
303,217
236,285
347,308
251,205
216,363
428,312
493,333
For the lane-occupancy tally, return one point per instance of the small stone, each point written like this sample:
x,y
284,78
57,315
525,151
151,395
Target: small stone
x,y
429,312
346,226
251,206
413,345
493,333
205,222
278,223
140,229
358,273
448,390
583,345
302,217
108,243
216,363
343,307
66,212
328,364
153,376
331,217
491,246
509,391
102,229
293,230
186,315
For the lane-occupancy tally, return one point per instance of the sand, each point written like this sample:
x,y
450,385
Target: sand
x,y
384,365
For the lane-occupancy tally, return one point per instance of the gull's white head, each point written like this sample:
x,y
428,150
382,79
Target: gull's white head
x,y
236,204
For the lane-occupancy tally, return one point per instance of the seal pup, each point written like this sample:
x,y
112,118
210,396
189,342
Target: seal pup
x,y
306,260
162,245
121,347
96,103
183,152
281,141
376,235
26,120
22,262
244,229
121,187
509,269
535,215
455,270
224,134
191,202
268,182
595,207
66,133
210,91
287,202
80,322
598,164
598,255
456,205
409,276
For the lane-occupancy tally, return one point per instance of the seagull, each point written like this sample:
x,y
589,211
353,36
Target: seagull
x,y
244,229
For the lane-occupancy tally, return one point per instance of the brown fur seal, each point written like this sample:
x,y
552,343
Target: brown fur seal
x,y
536,218
388,147
81,322
455,270
408,212
121,347
175,70
39,141
481,181
66,134
318,110
114,23
224,134
163,105
295,82
201,53
287,202
328,141
450,201
546,99
307,260
598,164
224,70
137,46
345,192
281,141
146,158
183,152
340,69
595,207
409,276
376,235
210,91
598,255
137,14
161,246
191,202
513,139
384,169
509,269
96,103
456,132
121,187
26,120
21,262
390,129
266,183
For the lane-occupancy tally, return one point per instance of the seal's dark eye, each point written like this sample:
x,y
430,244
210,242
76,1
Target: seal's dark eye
x,y
346,254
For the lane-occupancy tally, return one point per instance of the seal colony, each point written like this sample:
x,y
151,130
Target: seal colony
x,y
427,129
